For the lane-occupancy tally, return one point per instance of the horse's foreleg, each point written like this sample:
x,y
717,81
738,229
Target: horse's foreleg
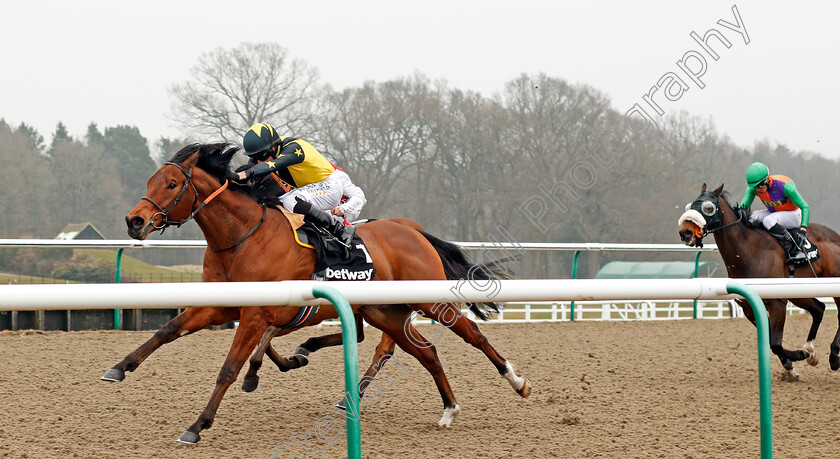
x,y
451,317
252,380
252,325
817,309
301,354
776,314
189,321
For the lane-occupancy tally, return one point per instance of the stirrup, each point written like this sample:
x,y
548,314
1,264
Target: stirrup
x,y
798,257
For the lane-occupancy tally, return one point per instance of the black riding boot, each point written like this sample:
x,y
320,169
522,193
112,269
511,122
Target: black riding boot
x,y
344,233
795,254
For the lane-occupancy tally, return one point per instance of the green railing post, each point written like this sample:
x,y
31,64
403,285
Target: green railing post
x,y
117,324
696,275
760,313
574,276
351,366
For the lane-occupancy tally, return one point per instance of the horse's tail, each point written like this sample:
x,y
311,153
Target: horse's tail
x,y
456,266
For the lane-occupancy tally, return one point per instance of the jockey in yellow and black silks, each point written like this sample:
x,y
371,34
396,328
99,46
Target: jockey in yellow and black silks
x,y
323,193
784,206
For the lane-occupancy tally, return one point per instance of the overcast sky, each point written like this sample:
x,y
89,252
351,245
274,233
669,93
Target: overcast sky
x,y
112,62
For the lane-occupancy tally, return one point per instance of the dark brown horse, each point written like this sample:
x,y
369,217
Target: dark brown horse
x,y
248,242
753,252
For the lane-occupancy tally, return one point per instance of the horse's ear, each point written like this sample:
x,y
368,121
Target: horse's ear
x,y
703,189
191,160
718,191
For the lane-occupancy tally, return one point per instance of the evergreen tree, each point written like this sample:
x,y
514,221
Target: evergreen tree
x,y
36,140
59,136
93,135
135,164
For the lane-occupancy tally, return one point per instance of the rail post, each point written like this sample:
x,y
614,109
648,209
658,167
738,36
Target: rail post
x,y
351,367
696,275
117,277
765,415
574,276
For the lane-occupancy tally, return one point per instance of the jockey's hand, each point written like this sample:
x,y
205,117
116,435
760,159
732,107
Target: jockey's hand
x,y
237,177
337,210
804,229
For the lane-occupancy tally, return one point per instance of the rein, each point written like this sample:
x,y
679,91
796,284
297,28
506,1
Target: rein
x,y
740,217
241,240
166,223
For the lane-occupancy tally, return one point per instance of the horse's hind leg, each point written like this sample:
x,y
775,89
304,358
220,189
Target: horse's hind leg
x,y
834,357
395,320
252,325
189,321
817,309
451,317
384,352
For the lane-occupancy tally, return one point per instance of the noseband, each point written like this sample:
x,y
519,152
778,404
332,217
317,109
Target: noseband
x,y
165,213
166,223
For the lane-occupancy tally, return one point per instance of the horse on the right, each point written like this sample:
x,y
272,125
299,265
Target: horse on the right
x,y
753,252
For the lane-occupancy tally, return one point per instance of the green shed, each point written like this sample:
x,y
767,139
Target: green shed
x,y
654,270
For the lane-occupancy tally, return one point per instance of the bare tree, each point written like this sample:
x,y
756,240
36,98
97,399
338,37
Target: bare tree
x,y
379,133
232,89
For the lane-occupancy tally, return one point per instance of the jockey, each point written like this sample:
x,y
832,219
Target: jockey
x,y
785,206
318,187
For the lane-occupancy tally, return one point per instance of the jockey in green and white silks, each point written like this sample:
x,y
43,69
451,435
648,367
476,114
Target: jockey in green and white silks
x,y
784,206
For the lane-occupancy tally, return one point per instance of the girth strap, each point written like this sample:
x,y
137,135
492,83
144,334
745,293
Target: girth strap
x,y
302,316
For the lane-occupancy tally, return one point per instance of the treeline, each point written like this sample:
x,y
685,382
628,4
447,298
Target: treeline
x,y
541,161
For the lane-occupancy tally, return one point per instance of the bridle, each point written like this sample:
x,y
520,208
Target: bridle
x,y
166,223
717,211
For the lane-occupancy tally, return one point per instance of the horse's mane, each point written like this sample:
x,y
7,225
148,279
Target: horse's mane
x,y
215,158
747,212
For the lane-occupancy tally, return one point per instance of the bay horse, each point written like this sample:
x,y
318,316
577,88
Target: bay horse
x,y
751,251
246,241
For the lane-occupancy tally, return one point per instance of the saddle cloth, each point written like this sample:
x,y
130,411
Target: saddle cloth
x,y
810,249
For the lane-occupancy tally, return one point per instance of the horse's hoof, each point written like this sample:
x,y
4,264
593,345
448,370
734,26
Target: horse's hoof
x,y
250,385
189,438
113,375
525,390
341,404
813,360
834,361
302,360
449,415
790,376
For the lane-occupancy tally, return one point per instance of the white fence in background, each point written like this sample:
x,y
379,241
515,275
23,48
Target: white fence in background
x,y
560,311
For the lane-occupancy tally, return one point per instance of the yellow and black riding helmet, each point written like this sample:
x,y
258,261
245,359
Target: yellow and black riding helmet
x,y
259,139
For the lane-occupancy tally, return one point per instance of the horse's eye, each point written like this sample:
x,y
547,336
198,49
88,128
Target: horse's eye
x,y
171,185
708,208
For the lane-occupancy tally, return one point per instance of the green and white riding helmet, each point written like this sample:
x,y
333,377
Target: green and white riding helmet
x,y
756,173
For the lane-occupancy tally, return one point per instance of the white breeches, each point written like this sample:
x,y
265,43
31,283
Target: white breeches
x,y
328,194
787,218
